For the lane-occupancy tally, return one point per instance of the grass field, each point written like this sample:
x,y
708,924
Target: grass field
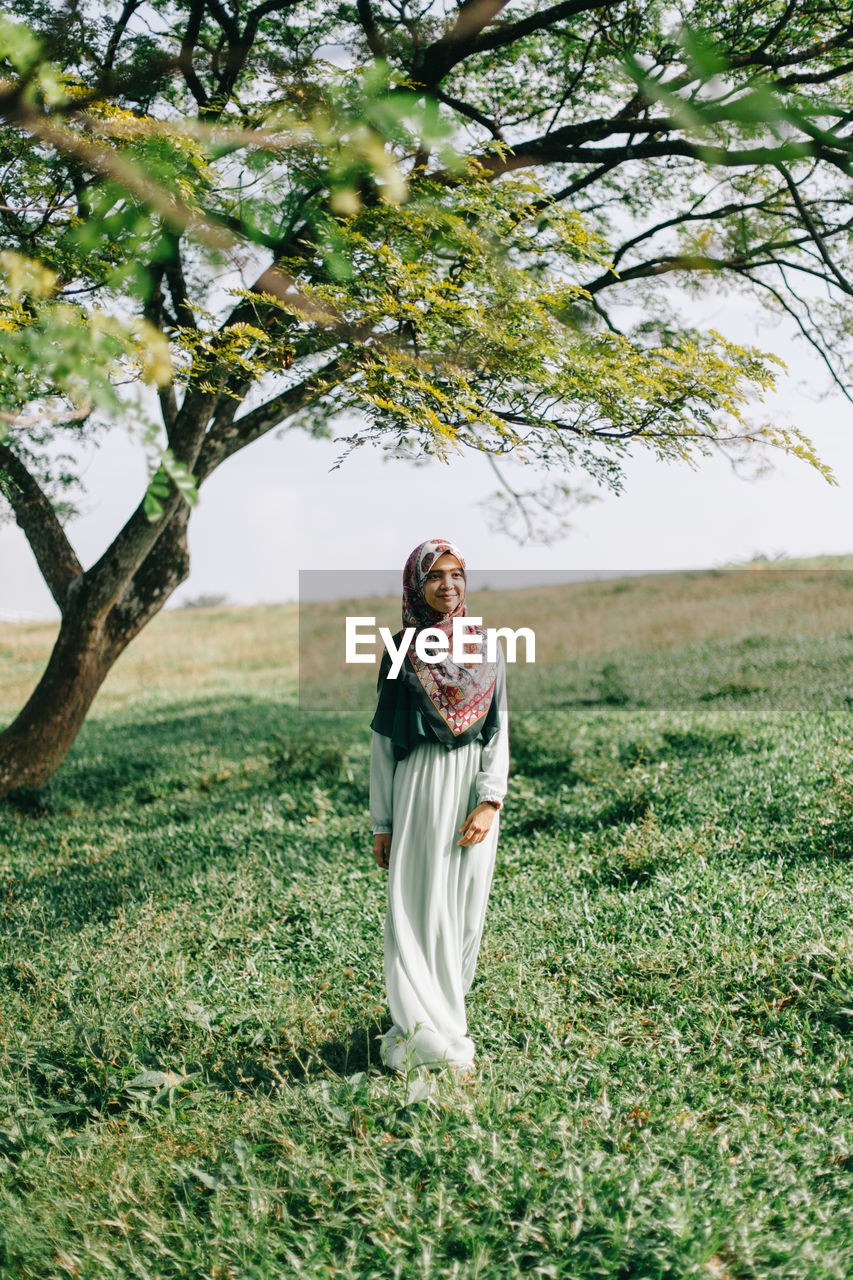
x,y
192,959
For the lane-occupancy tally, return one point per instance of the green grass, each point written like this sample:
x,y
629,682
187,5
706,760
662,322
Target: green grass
x,y
192,979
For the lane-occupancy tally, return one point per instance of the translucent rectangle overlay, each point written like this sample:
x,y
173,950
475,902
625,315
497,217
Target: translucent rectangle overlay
x,y
598,633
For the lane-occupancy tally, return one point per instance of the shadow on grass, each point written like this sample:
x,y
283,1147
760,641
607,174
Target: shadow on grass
x,y
141,807
162,746
831,841
546,813
354,1051
75,1086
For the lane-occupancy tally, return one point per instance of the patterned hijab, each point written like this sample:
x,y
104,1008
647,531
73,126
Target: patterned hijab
x,y
456,697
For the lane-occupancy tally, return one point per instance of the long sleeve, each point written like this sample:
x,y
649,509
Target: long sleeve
x,y
494,767
382,765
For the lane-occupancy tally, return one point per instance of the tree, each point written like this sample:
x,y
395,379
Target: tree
x,y
426,225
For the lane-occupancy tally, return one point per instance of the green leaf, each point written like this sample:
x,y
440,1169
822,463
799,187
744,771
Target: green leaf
x,y
703,53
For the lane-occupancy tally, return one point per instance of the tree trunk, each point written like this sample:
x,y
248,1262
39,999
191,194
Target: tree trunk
x,y
37,740
106,606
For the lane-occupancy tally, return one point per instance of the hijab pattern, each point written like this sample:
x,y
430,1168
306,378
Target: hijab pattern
x,y
460,694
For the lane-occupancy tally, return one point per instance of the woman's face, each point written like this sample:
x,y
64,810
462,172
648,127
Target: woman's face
x,y
444,587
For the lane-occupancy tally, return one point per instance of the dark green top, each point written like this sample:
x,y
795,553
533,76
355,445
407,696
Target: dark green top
x,y
406,715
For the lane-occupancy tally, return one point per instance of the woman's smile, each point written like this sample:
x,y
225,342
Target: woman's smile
x,y
444,586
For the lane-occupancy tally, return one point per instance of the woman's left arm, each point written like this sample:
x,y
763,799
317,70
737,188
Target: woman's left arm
x,y
494,767
491,781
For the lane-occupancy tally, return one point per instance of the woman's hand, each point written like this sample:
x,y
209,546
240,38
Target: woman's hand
x,y
476,826
382,849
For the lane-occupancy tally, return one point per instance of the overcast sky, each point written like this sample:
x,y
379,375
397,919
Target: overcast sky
x,y
277,508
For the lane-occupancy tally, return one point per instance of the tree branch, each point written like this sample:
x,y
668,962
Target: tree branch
x,y
35,515
543,150
812,229
230,435
466,36
508,34
107,580
239,46
118,31
565,193
372,35
168,407
437,59
164,568
223,17
185,57
692,215
174,272
759,58
470,112
663,266
798,320
516,497
821,77
213,231
819,49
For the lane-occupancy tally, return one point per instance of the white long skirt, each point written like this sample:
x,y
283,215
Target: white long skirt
x,y
437,896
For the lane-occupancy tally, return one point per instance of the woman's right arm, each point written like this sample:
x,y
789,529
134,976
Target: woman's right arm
x,y
382,765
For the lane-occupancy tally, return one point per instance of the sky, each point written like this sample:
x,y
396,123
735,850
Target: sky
x,y
277,507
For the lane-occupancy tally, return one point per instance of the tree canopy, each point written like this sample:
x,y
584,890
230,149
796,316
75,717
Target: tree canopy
x,y
436,228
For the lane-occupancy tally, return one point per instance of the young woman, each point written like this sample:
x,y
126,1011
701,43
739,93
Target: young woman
x,y
438,775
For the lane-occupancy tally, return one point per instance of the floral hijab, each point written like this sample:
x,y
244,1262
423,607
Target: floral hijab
x,y
456,697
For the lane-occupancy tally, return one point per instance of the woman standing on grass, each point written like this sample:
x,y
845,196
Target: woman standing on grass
x,y
438,774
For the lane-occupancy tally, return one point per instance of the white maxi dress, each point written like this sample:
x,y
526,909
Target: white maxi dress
x,y
437,889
